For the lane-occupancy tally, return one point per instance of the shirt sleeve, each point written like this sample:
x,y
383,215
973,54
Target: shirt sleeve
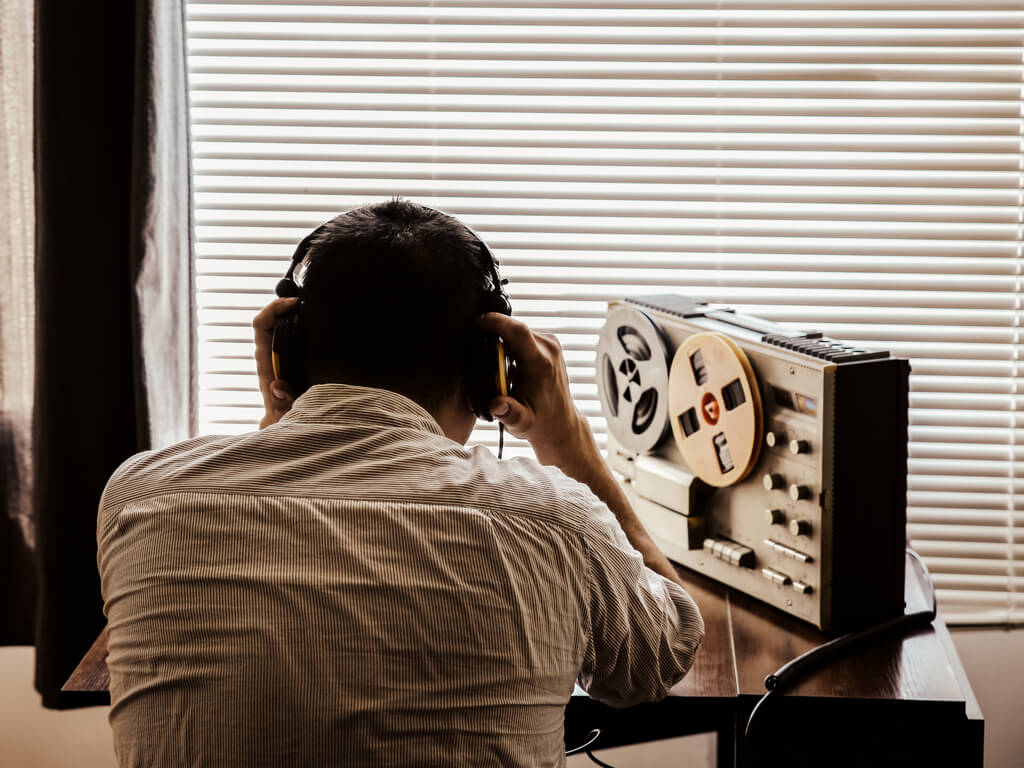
x,y
643,631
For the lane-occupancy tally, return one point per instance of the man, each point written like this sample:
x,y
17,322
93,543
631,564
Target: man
x,y
351,585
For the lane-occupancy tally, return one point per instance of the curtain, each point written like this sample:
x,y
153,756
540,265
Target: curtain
x,y
114,328
17,580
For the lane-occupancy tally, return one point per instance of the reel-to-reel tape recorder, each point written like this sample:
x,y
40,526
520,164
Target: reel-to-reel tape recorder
x,y
771,460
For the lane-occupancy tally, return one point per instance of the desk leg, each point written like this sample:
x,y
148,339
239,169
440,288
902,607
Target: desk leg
x,y
725,738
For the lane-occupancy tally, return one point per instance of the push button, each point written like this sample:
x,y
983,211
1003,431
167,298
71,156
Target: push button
x,y
730,551
782,549
777,577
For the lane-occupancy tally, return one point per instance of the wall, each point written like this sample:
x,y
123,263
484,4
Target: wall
x,y
994,661
32,737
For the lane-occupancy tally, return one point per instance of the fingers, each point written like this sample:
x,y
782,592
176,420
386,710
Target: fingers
x,y
263,334
277,395
519,339
264,321
282,391
517,417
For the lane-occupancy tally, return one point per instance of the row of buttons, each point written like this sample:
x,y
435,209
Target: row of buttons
x,y
782,549
730,551
783,580
816,345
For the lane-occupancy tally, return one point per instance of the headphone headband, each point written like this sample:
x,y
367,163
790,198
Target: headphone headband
x,y
487,366
291,284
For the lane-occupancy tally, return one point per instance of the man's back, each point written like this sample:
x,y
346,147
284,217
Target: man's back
x,y
352,587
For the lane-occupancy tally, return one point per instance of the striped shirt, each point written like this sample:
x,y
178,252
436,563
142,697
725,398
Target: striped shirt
x,y
351,587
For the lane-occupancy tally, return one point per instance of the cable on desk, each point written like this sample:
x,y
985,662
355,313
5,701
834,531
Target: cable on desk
x,y
791,670
599,762
591,738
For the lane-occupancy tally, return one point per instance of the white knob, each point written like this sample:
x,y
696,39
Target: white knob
x,y
798,492
799,527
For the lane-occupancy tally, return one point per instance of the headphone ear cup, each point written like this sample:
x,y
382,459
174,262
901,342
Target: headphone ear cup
x,y
496,301
484,373
286,352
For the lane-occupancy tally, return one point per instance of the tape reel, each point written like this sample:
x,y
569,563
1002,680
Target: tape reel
x,y
632,379
715,408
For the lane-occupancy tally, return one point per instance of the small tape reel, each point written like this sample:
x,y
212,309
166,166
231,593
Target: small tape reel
x,y
715,408
632,379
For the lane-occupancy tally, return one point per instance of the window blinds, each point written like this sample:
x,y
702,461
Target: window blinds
x,y
855,169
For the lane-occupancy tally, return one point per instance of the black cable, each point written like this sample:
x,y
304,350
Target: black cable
x,y
599,762
591,738
790,671
501,438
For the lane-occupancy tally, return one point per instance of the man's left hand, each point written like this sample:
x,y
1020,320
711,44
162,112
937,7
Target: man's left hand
x,y
277,393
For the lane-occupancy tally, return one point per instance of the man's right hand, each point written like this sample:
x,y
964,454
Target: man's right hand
x,y
540,408
542,412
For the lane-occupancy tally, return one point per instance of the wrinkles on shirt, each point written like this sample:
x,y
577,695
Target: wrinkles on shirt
x,y
339,592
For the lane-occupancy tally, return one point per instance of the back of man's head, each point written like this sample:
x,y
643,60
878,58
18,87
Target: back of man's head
x,y
390,299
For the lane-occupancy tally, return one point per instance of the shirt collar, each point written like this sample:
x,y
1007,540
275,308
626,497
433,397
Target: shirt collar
x,y
347,403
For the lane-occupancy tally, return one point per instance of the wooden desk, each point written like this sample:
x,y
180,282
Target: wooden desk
x,y
898,701
901,700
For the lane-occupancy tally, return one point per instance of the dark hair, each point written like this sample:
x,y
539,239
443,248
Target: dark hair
x,y
390,299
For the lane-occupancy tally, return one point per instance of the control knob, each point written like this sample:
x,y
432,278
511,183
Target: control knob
x,y
774,516
773,481
799,446
798,492
800,527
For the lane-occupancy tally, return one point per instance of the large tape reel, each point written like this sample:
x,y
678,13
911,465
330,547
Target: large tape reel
x,y
632,379
715,408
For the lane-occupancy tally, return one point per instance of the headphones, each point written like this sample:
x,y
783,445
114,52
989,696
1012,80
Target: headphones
x,y
488,369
